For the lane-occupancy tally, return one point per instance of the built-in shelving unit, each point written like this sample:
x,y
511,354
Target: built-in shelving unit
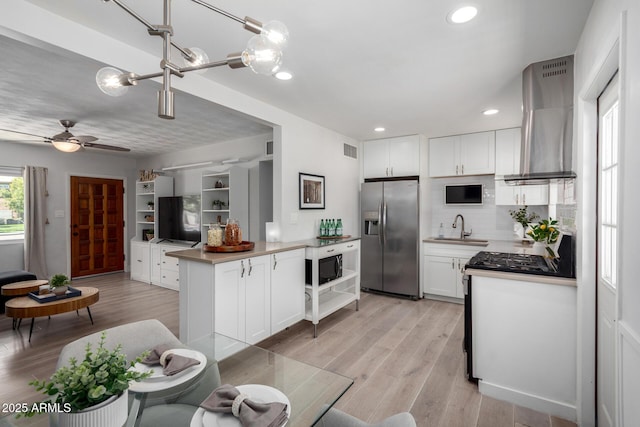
x,y
232,189
147,193
324,299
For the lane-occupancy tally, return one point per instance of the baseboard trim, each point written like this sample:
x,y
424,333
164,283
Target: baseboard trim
x,y
517,397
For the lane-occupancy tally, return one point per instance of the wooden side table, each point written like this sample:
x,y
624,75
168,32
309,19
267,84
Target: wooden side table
x,y
22,288
25,307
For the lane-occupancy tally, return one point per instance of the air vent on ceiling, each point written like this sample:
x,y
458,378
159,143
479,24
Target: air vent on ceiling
x,y
350,151
269,148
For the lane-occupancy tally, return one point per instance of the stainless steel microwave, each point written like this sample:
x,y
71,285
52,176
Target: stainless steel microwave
x,y
329,269
465,194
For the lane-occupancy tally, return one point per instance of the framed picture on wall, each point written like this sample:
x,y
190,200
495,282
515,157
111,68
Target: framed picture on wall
x,y
311,189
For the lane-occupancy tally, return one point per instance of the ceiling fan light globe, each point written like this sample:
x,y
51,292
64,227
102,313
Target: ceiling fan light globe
x,y
65,146
108,81
276,32
262,56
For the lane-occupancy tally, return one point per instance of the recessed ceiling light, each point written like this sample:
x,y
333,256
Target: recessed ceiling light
x,y
284,75
490,112
462,14
379,129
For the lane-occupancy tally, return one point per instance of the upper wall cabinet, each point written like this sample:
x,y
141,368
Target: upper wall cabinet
x,y
461,155
392,157
507,152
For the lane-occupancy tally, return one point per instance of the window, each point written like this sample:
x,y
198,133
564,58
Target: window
x,y
11,204
608,169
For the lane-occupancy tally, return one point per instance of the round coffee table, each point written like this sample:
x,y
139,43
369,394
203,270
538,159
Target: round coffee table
x,y
22,288
25,307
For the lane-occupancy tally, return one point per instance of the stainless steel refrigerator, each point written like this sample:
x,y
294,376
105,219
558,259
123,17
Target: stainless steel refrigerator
x,y
390,237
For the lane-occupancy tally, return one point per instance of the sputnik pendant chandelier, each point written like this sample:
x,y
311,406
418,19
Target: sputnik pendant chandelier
x,y
263,55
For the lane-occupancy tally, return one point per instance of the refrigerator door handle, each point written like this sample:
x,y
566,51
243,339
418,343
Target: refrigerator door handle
x,y
384,224
380,225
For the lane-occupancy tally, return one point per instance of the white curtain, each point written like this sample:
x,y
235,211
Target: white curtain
x,y
35,209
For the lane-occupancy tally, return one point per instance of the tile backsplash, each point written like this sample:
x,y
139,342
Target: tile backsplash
x,y
487,221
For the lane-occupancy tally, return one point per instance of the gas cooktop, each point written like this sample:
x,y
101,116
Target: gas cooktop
x,y
515,263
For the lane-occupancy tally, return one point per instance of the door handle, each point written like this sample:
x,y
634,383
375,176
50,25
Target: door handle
x,y
250,267
384,224
462,167
275,261
456,169
524,198
241,269
453,263
386,171
517,199
380,230
391,170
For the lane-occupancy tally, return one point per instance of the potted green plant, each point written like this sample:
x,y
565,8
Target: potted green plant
x,y
218,205
59,284
546,232
524,218
95,388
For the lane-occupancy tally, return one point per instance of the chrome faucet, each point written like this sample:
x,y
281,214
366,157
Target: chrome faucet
x,y
463,233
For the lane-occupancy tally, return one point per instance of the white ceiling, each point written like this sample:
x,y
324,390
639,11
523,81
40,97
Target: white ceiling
x,y
357,64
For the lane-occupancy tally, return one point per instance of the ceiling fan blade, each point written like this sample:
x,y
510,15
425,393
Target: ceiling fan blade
x,y
83,139
10,138
104,146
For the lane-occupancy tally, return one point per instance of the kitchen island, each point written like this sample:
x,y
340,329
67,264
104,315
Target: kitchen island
x,y
244,295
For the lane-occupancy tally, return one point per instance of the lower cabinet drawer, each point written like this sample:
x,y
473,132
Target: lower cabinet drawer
x,y
170,279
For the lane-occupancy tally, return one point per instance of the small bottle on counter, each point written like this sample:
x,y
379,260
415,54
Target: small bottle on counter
x,y
441,231
332,228
339,228
322,228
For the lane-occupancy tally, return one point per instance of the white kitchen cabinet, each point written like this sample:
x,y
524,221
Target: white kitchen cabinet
x,y
508,142
140,265
462,155
287,290
443,275
392,157
329,297
443,268
518,195
156,264
242,302
254,300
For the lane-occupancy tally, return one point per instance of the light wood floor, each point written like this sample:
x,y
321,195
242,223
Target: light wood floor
x,y
404,355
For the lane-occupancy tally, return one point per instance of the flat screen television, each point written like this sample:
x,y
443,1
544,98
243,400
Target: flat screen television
x,y
179,218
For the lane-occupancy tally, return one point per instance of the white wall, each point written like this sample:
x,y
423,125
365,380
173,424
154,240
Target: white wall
x,y
61,167
610,22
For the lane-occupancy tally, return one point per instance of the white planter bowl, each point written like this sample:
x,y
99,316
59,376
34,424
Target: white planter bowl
x,y
110,413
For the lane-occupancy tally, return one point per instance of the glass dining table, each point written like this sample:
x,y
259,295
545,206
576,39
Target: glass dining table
x,y
311,391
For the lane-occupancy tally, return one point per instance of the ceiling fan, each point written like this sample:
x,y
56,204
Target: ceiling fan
x,y
67,142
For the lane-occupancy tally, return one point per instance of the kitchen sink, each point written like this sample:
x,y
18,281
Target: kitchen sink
x,y
459,241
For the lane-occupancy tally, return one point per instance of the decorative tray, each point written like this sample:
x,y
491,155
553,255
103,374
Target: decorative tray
x,y
346,236
71,292
243,246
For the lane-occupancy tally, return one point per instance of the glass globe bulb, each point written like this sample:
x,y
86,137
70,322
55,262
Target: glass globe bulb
x,y
65,146
200,57
277,32
108,80
262,55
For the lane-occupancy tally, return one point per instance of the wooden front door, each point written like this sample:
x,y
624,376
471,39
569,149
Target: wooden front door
x,y
97,226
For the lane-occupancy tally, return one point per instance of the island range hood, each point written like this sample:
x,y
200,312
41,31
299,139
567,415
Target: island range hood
x,y
547,123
